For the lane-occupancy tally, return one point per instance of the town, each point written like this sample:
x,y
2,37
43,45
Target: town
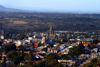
x,y
50,49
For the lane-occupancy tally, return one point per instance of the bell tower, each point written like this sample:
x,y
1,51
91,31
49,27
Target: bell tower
x,y
51,32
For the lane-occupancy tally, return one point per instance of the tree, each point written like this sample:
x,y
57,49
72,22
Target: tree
x,y
89,64
20,47
50,57
50,45
58,41
16,59
52,63
41,64
94,60
11,55
29,58
94,63
10,47
58,65
92,46
22,36
76,50
64,56
95,41
0,43
44,49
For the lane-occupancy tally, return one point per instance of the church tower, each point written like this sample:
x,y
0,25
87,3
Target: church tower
x,y
51,33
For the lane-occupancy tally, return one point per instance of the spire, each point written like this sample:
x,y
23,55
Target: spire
x,y
51,31
2,32
51,34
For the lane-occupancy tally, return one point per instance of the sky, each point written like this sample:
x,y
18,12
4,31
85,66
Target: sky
x,y
86,6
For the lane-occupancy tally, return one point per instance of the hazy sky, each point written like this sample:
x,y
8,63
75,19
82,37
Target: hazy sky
x,y
92,6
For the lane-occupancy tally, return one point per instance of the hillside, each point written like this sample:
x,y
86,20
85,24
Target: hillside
x,y
2,8
24,22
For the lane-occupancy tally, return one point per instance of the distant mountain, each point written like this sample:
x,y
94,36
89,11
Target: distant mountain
x,y
2,8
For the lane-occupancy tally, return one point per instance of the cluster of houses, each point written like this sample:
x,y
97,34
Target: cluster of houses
x,y
60,48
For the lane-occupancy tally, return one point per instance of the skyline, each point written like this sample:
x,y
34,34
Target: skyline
x,y
54,5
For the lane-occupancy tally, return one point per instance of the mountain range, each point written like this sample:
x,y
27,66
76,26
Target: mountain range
x,y
2,8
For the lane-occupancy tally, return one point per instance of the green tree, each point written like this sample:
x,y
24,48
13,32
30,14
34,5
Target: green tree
x,y
41,64
50,45
76,50
1,43
94,60
50,57
11,55
89,64
29,58
64,56
95,41
10,47
22,36
58,65
92,46
52,63
44,49
20,47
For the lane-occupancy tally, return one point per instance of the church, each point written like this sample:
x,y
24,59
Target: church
x,y
51,33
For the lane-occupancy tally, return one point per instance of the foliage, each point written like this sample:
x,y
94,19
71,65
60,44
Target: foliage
x,y
94,60
76,50
89,64
1,50
64,56
0,43
94,63
95,41
44,49
58,41
10,47
62,21
15,56
50,45
52,63
21,36
29,57
58,65
92,46
50,57
41,64
20,47
11,55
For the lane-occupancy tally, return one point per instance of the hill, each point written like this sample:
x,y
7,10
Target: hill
x,y
25,22
2,8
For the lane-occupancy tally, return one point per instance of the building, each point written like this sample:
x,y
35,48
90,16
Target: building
x,y
43,40
51,33
68,62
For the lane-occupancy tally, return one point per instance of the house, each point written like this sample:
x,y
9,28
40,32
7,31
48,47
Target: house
x,y
53,50
36,45
68,62
85,44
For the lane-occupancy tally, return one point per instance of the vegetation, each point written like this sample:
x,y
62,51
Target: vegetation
x,y
94,63
9,47
26,22
76,50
